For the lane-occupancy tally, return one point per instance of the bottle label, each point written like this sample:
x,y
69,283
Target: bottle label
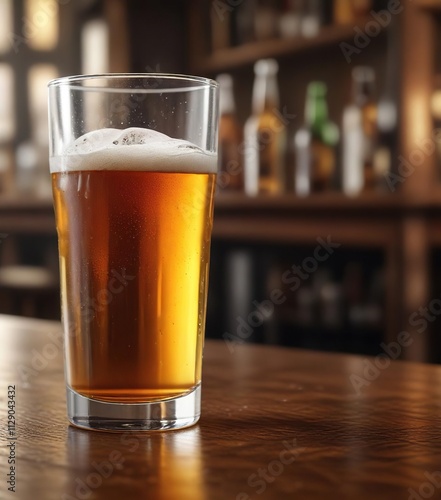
x,y
323,166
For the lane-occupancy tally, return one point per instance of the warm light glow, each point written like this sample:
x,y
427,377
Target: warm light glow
x,y
6,166
38,77
95,47
40,24
7,117
6,25
179,458
94,59
435,104
420,125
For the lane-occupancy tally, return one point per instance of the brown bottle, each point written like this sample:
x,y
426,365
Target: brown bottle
x,y
360,134
351,11
265,134
230,175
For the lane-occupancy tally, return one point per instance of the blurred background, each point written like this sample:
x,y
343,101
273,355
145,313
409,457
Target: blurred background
x,y
327,230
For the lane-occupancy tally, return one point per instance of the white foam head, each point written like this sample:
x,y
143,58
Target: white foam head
x,y
133,149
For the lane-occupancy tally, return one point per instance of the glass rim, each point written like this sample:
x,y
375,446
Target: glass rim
x,y
193,82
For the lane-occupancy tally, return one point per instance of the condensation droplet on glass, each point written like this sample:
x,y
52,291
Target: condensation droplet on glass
x,y
80,180
87,188
63,182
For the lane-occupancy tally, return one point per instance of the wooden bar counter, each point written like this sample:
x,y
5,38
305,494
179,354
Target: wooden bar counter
x,y
276,424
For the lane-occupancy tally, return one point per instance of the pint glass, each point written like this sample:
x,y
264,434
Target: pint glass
x,y
133,160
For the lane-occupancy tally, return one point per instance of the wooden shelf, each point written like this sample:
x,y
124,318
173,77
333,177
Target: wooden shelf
x,y
25,202
369,204
405,227
434,5
27,214
247,54
368,221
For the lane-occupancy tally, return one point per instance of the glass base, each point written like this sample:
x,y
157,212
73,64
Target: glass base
x,y
167,414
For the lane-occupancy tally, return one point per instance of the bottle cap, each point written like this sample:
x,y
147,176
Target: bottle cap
x,y
224,80
317,89
363,74
226,102
266,67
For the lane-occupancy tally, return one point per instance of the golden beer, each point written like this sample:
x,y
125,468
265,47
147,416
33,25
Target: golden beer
x,y
133,160
134,253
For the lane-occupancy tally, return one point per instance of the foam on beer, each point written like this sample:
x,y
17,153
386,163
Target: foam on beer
x,y
133,149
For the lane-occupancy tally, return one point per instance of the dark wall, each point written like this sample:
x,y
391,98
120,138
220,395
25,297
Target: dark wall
x,y
157,35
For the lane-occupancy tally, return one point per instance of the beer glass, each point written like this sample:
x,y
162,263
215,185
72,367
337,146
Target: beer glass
x,y
133,160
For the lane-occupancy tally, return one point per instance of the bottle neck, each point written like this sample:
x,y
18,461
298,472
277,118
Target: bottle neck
x,y
362,92
265,93
226,102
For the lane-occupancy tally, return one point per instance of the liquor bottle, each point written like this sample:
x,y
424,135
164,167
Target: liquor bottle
x,y
315,144
243,22
351,11
230,138
312,18
239,292
220,29
360,134
266,20
290,20
265,134
354,292
387,148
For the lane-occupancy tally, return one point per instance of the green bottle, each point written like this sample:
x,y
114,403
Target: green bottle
x,y
315,144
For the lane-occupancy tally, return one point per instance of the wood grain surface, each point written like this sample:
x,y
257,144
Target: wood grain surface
x,y
276,424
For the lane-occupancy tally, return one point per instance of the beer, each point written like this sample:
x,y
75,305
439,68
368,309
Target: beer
x,y
134,225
